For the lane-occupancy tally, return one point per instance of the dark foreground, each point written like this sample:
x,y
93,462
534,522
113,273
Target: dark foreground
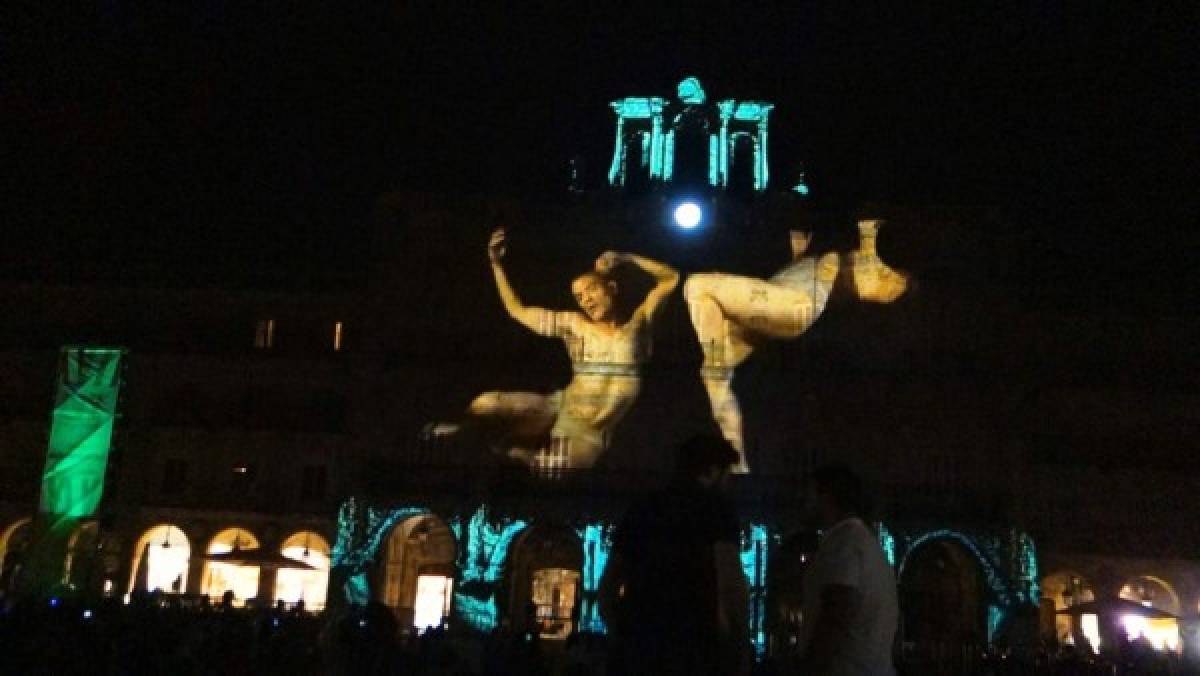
x,y
157,638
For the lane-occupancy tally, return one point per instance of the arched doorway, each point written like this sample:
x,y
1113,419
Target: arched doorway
x,y
943,597
160,560
417,571
542,578
1060,591
293,584
1157,594
80,561
221,577
13,542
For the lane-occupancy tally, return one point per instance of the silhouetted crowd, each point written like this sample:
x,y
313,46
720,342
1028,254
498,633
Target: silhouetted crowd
x,y
156,635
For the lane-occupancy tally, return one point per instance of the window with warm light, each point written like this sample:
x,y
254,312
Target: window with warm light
x,y
161,560
337,336
553,595
264,334
308,581
432,603
220,576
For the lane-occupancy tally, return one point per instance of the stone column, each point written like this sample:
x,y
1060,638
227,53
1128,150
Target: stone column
x,y
266,586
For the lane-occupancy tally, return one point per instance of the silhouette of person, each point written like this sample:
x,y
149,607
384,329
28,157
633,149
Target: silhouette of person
x,y
850,610
673,592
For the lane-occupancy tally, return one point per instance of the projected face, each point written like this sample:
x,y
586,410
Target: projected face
x,y
595,296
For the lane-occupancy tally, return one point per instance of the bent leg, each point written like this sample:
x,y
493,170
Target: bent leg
x,y
724,341
512,419
752,306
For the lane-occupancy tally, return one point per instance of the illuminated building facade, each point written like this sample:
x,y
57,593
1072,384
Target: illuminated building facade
x,y
257,428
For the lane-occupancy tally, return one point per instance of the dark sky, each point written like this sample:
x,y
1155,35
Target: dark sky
x,y
162,136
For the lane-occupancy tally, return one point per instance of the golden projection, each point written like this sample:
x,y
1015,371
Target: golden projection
x,y
732,314
606,346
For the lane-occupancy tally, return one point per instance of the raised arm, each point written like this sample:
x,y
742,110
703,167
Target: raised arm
x,y
666,278
536,319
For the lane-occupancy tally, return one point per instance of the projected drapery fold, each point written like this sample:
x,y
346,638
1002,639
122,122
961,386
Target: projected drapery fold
x,y
81,430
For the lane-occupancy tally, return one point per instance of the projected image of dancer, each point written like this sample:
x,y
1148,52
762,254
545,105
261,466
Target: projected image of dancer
x,y
732,314
606,346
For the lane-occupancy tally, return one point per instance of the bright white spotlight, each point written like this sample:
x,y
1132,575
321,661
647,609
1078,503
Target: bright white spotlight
x,y
687,215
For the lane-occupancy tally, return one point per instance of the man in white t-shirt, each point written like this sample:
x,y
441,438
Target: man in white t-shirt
x,y
850,611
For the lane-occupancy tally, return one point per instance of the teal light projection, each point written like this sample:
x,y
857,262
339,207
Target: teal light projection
x,y
995,619
360,533
640,118
690,91
1009,565
483,550
641,122
996,582
597,545
888,542
754,564
81,430
1027,566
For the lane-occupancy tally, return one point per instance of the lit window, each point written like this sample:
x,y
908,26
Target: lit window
x,y
432,601
264,334
337,336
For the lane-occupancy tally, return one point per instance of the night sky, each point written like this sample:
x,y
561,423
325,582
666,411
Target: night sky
x,y
189,141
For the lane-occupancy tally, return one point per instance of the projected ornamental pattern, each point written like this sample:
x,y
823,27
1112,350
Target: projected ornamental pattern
x,y
656,138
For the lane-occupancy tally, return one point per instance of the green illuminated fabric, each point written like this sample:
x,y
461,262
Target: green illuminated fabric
x,y
81,429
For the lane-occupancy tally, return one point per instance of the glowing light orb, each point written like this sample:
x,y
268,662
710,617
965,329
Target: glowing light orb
x,y
687,215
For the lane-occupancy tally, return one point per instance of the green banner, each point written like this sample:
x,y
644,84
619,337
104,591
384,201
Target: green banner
x,y
81,429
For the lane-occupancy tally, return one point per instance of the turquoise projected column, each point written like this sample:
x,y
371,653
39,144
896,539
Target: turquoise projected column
x,y
85,409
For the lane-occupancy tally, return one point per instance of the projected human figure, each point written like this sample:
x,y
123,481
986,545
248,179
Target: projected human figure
x,y
732,314
606,346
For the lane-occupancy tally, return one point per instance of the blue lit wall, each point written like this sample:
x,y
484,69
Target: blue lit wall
x,y
484,541
483,550
1009,564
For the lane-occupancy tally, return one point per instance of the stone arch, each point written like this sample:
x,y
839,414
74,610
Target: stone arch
x,y
221,577
416,570
295,584
80,560
543,580
1158,593
13,541
161,557
944,593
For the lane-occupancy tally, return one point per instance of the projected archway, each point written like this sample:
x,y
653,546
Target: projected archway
x,y
220,577
292,584
13,541
543,580
161,560
943,595
418,571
